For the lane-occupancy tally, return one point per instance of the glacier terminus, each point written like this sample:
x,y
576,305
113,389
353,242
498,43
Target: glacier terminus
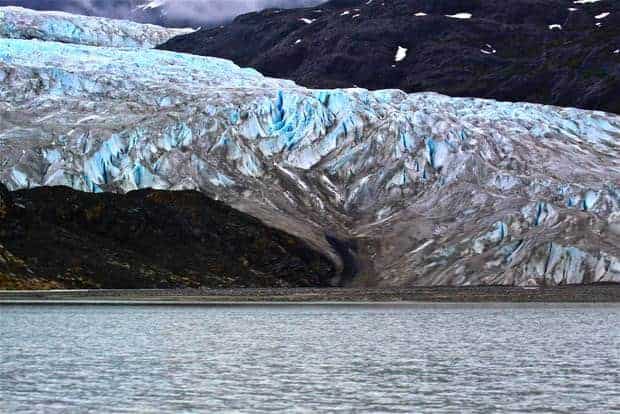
x,y
397,189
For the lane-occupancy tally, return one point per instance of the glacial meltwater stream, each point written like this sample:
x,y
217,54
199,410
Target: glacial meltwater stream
x,y
419,358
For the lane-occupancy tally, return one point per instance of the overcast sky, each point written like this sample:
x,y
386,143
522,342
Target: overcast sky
x,y
207,11
226,9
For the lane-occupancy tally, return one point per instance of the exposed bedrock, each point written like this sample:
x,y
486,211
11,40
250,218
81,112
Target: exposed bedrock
x,y
394,189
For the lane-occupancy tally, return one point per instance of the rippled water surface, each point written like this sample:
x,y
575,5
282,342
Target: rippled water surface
x,y
424,358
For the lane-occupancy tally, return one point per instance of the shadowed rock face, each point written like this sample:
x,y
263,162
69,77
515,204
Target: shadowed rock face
x,y
59,237
396,189
536,50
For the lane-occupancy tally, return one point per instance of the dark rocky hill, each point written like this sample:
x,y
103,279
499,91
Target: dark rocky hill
x,y
558,52
144,239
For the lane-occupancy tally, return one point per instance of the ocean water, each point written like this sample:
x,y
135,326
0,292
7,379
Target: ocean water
x,y
418,359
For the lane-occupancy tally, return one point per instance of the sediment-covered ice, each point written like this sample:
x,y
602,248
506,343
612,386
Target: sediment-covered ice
x,y
422,189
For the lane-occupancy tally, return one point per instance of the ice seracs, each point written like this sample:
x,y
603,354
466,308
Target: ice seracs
x,y
426,189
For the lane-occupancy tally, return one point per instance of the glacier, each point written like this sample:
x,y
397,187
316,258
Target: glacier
x,y
419,189
21,23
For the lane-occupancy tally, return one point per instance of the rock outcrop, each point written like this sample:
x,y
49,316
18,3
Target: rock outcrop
x,y
558,52
394,189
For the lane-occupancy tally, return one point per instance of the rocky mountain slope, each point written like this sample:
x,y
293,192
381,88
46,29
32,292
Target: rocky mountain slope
x,y
58,237
394,189
560,52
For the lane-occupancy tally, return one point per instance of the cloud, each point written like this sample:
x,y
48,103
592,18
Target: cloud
x,y
105,8
221,10
175,12
226,9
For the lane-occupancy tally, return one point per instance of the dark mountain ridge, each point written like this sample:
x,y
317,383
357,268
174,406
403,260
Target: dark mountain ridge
x,y
558,52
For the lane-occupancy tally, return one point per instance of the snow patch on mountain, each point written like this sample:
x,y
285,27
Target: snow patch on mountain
x,y
401,54
460,16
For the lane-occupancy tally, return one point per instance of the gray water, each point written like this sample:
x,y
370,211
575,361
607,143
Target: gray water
x,y
424,358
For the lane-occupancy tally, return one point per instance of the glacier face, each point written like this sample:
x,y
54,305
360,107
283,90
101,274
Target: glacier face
x,y
20,23
418,189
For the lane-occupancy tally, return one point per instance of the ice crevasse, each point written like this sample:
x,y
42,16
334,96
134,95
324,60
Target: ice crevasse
x,y
425,189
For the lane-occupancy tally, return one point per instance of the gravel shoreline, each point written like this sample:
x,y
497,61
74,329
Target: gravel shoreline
x,y
582,293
